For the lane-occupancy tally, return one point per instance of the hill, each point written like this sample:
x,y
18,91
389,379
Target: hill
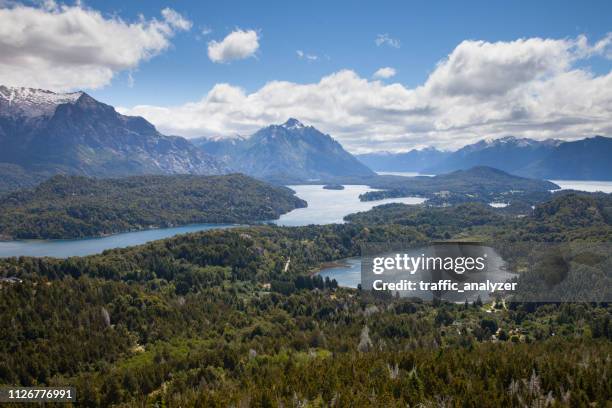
x,y
291,152
479,183
221,317
76,206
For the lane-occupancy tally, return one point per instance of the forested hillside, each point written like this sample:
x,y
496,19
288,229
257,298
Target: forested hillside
x,y
235,317
74,206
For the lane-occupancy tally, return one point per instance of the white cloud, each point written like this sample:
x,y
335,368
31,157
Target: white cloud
x,y
385,39
176,20
537,88
63,47
386,72
239,44
309,57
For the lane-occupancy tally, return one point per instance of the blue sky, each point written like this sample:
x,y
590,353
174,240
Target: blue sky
x,y
448,73
341,33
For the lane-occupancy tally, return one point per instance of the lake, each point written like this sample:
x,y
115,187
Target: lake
x,y
324,207
347,272
64,248
331,206
584,185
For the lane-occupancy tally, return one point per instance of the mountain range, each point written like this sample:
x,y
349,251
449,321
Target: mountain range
x,y
411,161
44,133
289,152
586,159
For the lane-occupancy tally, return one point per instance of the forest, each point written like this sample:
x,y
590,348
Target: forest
x,y
65,207
217,318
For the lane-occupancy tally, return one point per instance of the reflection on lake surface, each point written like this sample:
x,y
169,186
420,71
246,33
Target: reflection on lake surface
x,y
324,207
585,185
331,206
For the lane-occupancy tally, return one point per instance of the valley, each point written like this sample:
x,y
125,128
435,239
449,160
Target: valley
x,y
146,269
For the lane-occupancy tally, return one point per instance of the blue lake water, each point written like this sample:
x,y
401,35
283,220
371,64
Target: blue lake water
x,y
347,272
61,248
324,207
331,206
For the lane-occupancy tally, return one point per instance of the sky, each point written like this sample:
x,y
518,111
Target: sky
x,y
378,75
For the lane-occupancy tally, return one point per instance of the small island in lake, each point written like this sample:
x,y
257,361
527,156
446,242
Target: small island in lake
x,y
333,187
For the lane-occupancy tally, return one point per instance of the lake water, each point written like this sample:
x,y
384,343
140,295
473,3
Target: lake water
x,y
330,206
324,207
498,205
61,248
347,272
585,185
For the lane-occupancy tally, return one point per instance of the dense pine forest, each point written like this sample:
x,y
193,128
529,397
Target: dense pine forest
x,y
76,207
237,318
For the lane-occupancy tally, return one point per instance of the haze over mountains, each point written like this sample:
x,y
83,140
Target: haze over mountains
x,y
586,159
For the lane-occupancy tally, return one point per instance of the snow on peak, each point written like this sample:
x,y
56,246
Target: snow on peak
x,y
30,102
293,123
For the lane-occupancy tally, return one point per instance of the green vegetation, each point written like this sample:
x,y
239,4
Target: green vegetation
x,y
484,184
333,187
75,207
234,318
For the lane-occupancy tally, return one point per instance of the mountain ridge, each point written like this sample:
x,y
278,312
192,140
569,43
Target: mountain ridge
x,y
45,133
583,159
287,152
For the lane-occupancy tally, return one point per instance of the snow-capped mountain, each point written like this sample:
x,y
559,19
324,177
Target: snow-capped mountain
x,y
47,133
289,151
31,103
508,153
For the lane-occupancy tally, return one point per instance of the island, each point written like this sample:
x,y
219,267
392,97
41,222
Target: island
x,y
333,187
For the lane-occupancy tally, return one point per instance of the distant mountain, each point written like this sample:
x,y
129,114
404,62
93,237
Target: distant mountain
x,y
414,160
289,152
508,153
45,133
586,159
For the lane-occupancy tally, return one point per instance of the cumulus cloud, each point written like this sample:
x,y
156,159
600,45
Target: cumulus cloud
x,y
385,39
64,47
309,57
537,88
238,44
384,73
